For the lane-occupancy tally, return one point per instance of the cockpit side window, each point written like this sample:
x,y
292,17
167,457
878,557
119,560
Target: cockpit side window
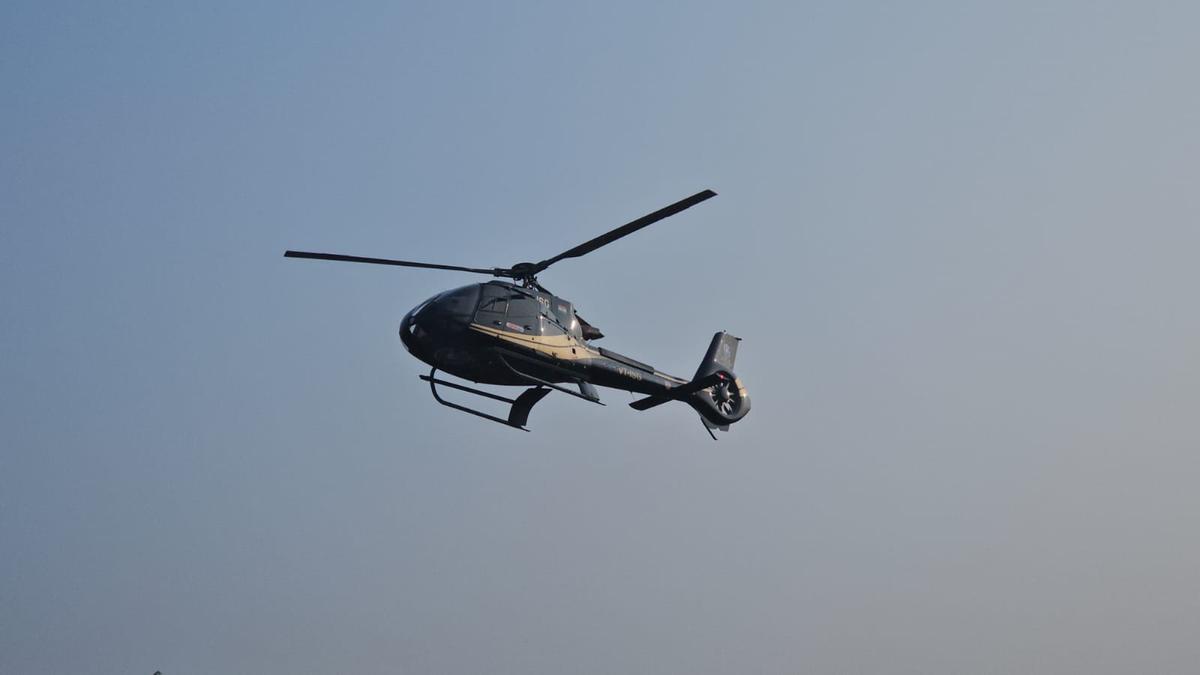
x,y
564,313
556,316
509,309
523,315
497,306
493,305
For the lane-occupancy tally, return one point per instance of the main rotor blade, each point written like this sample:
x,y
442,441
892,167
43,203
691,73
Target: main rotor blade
x,y
494,271
627,228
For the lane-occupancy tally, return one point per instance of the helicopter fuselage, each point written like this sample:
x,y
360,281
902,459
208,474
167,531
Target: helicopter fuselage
x,y
504,334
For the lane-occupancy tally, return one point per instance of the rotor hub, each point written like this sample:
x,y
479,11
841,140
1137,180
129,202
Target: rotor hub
x,y
525,272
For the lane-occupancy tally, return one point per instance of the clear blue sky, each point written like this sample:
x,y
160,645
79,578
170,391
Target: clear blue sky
x,y
958,239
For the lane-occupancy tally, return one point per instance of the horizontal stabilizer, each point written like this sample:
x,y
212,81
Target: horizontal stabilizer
x,y
678,393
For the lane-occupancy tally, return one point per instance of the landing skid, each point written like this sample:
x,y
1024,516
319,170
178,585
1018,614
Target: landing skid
x,y
518,414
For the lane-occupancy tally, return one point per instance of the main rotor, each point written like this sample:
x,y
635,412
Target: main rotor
x,y
526,272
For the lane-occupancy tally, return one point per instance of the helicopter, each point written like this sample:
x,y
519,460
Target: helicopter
x,y
518,333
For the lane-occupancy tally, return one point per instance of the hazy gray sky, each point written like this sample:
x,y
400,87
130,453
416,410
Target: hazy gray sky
x,y
958,239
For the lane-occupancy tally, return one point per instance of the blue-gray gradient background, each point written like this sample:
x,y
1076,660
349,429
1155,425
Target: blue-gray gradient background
x,y
959,240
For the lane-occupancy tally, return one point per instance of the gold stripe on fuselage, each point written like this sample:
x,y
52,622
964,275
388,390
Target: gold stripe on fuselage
x,y
564,347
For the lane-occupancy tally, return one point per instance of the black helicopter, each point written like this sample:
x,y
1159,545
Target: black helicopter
x,y
521,334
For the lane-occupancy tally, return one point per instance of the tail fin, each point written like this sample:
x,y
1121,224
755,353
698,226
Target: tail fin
x,y
721,354
727,401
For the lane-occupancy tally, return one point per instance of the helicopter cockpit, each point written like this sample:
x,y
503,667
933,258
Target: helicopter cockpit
x,y
500,306
519,310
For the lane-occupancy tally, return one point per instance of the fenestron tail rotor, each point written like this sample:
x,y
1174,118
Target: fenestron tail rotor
x,y
726,397
526,272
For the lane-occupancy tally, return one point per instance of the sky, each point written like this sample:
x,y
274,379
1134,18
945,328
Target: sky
x,y
958,240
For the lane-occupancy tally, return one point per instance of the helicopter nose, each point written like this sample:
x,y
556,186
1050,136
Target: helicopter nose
x,y
408,329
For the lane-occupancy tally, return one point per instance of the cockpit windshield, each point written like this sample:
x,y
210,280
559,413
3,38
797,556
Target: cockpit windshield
x,y
459,303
